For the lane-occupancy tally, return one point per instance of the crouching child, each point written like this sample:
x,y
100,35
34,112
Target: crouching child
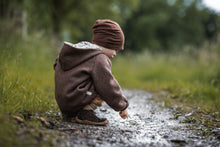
x,y
83,78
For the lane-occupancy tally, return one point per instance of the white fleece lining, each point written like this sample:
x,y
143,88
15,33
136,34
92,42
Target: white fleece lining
x,y
83,45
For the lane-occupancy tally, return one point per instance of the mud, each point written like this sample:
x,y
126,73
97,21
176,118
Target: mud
x,y
148,125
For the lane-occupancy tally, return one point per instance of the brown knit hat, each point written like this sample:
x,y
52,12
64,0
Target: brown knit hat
x,y
107,33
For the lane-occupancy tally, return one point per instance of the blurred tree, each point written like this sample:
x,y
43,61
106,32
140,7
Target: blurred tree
x,y
141,28
170,24
212,26
13,19
82,15
147,24
3,8
73,20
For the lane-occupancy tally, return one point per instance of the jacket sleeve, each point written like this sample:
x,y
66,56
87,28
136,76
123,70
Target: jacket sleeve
x,y
106,85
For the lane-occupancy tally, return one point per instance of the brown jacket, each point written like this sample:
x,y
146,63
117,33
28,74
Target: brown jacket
x,y
81,72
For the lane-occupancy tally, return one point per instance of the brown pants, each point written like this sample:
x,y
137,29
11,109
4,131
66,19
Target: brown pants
x,y
97,102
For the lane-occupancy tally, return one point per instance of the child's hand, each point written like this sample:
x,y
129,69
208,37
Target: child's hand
x,y
123,114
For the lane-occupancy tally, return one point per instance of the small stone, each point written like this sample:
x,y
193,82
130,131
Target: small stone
x,y
67,129
45,123
189,114
18,119
103,110
178,141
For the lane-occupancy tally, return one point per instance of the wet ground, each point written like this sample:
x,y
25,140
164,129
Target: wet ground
x,y
148,125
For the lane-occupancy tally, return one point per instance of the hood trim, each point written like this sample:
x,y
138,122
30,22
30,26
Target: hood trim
x,y
83,45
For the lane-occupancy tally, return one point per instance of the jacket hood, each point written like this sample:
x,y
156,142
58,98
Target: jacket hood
x,y
72,55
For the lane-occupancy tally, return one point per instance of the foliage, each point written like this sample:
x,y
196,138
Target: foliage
x,y
69,20
153,25
162,25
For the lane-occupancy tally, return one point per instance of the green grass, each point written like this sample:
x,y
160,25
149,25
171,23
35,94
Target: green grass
x,y
27,81
192,76
26,89
189,79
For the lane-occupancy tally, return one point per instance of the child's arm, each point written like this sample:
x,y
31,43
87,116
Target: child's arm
x,y
106,85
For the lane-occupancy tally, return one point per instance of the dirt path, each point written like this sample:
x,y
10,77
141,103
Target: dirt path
x,y
148,125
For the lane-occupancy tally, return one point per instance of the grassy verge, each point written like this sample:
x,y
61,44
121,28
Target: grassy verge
x,y
26,92
188,81
190,78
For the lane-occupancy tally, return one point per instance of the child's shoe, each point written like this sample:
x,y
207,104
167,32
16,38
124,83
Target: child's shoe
x,y
89,117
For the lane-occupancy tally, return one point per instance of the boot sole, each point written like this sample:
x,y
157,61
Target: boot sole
x,y
91,122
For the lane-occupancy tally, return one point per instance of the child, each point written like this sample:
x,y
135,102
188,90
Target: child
x,y
83,78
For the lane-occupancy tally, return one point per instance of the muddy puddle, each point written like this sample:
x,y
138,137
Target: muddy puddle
x,y
147,125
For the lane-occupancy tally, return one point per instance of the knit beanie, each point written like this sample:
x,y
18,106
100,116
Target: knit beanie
x,y
108,33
